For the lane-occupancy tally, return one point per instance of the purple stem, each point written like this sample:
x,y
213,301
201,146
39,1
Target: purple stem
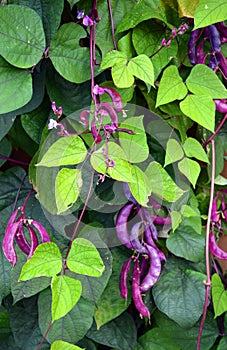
x,y
45,335
14,160
216,132
112,24
208,226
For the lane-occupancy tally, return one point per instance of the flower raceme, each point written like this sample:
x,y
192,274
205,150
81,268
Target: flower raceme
x,y
15,232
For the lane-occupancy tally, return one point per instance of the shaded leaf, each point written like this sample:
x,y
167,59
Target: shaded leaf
x,y
24,50
5,125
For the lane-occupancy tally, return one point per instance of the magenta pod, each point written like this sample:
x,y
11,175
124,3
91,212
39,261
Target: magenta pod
x,y
200,55
134,239
84,116
221,106
21,239
136,293
33,239
154,270
115,97
12,218
223,65
41,230
214,37
148,239
222,28
223,207
128,193
8,243
215,249
121,225
107,108
123,278
96,136
215,216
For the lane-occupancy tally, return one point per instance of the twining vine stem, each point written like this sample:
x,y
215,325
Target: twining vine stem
x,y
208,227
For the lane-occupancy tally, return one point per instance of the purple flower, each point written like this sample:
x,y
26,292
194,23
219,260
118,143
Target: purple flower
x,y
174,32
87,21
182,29
80,14
57,111
97,90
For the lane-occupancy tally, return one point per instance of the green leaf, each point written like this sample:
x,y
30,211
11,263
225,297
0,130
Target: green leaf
x,y
140,188
62,345
186,243
66,292
70,328
194,149
198,106
141,11
121,171
5,329
175,219
111,304
68,57
171,87
180,295
25,289
119,333
162,184
93,287
190,169
5,125
84,258
6,149
142,68
121,74
68,150
154,339
209,12
46,261
67,188
174,152
219,295
135,146
15,86
27,40
203,81
113,57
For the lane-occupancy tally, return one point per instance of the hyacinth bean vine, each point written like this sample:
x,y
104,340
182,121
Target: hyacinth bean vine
x,y
113,174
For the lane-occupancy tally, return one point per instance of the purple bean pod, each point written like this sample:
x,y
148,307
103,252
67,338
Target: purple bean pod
x,y
41,230
115,97
8,243
200,55
221,106
215,216
136,293
121,225
34,241
223,207
144,266
128,193
12,218
96,136
134,239
107,108
21,239
123,278
147,217
84,116
154,270
214,61
223,65
222,28
148,239
161,220
214,37
194,37
215,249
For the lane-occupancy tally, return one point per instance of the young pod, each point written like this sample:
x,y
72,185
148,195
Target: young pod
x,y
115,97
214,37
221,106
96,136
107,108
148,239
136,293
33,239
121,225
200,55
215,249
21,239
123,278
154,271
41,230
134,239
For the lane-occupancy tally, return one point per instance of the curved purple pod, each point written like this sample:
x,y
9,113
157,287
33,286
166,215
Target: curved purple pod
x,y
8,243
221,106
115,97
41,230
106,107
215,249
214,37
222,28
96,136
123,278
154,270
21,239
134,239
128,193
121,225
33,239
148,239
194,37
136,293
